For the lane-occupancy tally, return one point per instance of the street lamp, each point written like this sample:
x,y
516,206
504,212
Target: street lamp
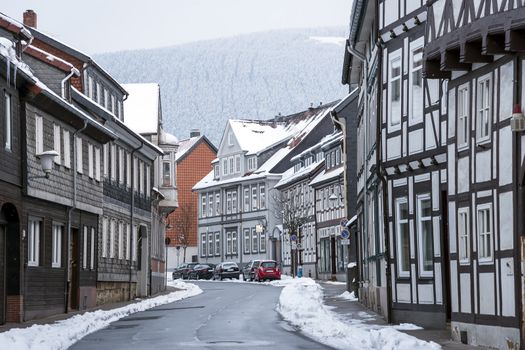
x,y
46,162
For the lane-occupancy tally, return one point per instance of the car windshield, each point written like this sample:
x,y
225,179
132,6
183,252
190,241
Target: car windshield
x,y
269,264
256,263
230,264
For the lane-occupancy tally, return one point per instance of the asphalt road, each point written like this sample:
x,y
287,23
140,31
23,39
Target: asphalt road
x,y
226,315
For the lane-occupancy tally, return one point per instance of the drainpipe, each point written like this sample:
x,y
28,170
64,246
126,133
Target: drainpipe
x,y
351,50
69,212
74,72
131,216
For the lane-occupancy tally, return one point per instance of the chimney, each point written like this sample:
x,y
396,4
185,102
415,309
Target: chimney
x,y
195,133
30,18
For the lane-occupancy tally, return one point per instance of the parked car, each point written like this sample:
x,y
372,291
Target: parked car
x,y
226,270
267,270
202,272
249,270
183,270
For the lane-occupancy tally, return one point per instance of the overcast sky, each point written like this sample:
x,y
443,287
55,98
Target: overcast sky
x,y
96,26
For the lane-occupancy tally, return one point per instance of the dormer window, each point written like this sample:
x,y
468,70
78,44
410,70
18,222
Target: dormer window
x,y
319,156
252,163
216,171
296,167
308,161
230,139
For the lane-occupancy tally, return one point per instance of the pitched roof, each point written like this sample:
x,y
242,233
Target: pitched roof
x,y
141,108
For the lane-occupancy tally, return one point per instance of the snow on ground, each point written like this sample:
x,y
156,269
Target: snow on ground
x,y
62,334
347,296
301,304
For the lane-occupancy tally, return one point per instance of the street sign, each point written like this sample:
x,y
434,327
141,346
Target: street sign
x,y
344,222
299,246
294,245
259,228
293,238
345,234
345,241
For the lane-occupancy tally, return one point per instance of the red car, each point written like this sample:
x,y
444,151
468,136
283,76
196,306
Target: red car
x,y
267,270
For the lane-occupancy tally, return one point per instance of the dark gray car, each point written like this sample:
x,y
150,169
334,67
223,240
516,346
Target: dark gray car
x,y
226,270
248,271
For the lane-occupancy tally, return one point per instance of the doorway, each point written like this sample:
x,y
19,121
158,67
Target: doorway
x,y
74,270
446,255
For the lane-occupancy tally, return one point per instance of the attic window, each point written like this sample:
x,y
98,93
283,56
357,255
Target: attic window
x,y
230,139
252,163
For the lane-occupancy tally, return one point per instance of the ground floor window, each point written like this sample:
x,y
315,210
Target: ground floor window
x,y
324,255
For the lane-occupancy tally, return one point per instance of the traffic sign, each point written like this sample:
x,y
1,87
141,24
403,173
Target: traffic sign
x,y
344,222
293,238
345,241
299,246
294,245
345,234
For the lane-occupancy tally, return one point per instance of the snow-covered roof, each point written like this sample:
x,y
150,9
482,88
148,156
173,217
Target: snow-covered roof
x,y
141,109
290,175
49,58
185,146
327,175
168,139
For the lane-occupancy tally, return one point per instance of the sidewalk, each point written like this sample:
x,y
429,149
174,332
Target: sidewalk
x,y
353,310
63,316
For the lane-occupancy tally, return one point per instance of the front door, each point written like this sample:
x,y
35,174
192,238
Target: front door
x,y
74,270
446,256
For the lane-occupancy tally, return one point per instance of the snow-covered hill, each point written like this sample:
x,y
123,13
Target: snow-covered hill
x,y
250,76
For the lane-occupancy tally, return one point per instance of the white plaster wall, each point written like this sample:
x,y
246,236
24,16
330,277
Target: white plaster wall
x,y
451,160
394,147
506,224
452,227
403,293
430,137
454,286
507,287
505,156
415,143
463,174
452,113
439,287
486,293
489,336
391,11
464,290
483,166
426,293
506,93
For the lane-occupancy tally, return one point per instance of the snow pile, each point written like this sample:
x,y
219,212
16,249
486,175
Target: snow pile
x,y
347,296
301,304
62,334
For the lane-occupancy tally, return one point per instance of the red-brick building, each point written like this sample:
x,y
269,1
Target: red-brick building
x,y
194,158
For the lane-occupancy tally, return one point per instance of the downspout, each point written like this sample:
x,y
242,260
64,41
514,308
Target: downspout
x,y
351,50
75,72
131,216
69,212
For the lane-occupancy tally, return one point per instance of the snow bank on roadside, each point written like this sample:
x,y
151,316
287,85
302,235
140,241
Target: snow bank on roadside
x,y
62,334
301,304
347,296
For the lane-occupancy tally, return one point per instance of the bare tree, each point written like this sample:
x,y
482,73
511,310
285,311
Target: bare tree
x,y
289,209
183,224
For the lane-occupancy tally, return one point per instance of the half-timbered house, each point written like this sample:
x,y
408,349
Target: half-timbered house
x,y
477,47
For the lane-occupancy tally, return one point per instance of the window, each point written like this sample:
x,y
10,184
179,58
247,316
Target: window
x,y
141,177
128,170
203,244
211,243
67,149
262,242
121,165
136,174
90,87
85,247
112,239
56,245
120,111
39,135
92,256
228,202
210,206
485,247
33,242
166,174
216,171
463,119
262,197
464,235
99,93
254,197
113,108
225,166
247,241
120,240
237,163
484,101
113,162
79,155
234,202
134,243
230,161
395,90
56,143
230,139
337,156
228,242
106,98
416,83
234,243
252,163
128,241
425,236
403,238
218,203
217,243
106,160
104,237
255,244
246,199
203,206
97,163
148,181
90,160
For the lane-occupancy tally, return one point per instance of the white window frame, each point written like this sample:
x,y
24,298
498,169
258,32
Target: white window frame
x,y
255,242
414,46
106,160
128,170
231,169
99,93
420,219
262,242
113,162
90,87
90,160
394,57
8,121
210,204
228,243
134,242
105,228
217,243
93,252
84,247
262,197
148,181
203,244
128,242
485,255
235,245
463,132
228,202
237,163
247,199
255,199
211,244
218,203
234,202
67,149
225,166
135,174
56,245
121,165
247,241
166,173
80,163
97,163
484,108
56,143
120,240
141,177
112,228
204,203
39,134
398,223
230,139
464,235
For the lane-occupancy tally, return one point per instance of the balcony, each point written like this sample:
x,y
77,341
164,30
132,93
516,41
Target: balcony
x,y
460,33
169,201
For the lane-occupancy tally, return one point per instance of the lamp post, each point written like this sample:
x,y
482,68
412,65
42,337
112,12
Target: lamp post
x,y
46,162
